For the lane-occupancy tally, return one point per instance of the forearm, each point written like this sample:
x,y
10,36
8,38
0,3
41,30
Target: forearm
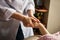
x,y
30,13
18,16
43,29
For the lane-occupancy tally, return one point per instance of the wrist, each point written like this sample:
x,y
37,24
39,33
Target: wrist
x,y
18,16
30,13
31,16
24,18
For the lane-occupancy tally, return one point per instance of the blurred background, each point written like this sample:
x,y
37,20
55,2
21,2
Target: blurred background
x,y
48,12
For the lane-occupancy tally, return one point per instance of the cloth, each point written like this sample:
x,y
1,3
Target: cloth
x,y
9,26
19,35
27,31
55,36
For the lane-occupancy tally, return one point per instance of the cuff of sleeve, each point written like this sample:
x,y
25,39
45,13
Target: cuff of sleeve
x,y
9,13
30,7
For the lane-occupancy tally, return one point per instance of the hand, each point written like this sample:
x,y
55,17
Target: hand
x,y
27,21
37,25
34,19
35,22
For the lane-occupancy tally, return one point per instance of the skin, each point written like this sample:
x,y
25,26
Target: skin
x,y
42,28
30,21
27,21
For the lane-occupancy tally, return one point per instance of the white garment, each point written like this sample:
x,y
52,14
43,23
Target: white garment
x,y
10,24
27,31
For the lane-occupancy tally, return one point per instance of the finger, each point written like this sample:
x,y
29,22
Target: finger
x,y
33,20
31,23
38,20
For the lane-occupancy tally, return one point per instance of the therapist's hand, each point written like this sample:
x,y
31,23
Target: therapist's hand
x,y
35,20
28,22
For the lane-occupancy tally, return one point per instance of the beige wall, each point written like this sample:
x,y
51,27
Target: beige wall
x,y
54,16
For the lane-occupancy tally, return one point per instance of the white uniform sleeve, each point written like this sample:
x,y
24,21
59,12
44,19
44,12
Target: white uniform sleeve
x,y
31,6
6,12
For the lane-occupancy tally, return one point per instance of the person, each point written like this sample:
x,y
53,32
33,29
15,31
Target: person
x,y
45,34
12,12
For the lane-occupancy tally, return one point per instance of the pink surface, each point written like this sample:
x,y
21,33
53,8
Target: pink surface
x,y
55,36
